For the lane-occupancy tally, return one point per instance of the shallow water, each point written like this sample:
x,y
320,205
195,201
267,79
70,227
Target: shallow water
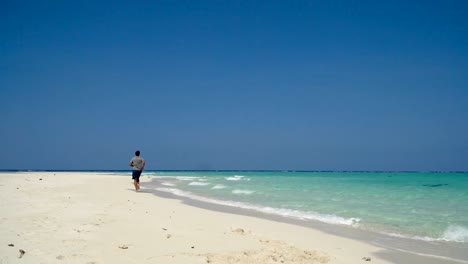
x,y
427,206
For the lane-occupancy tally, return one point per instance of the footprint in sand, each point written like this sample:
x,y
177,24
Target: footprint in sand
x,y
272,253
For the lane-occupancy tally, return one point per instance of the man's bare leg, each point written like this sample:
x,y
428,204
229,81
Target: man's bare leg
x,y
135,182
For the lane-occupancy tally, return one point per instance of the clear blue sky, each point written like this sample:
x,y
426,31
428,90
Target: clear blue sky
x,y
299,85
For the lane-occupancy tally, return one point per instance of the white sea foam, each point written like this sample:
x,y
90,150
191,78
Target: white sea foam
x,y
424,238
237,178
199,183
167,184
174,176
234,178
453,233
218,186
186,178
242,192
456,233
302,215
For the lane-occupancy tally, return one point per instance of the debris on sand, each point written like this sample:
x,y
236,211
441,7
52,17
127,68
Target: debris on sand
x,y
238,230
366,259
11,245
123,247
22,252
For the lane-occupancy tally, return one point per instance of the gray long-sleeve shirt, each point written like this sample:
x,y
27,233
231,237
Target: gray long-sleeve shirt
x,y
137,163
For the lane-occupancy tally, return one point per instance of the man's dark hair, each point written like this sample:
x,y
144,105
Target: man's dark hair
x,y
137,153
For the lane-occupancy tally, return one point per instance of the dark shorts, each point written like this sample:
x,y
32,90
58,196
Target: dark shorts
x,y
136,175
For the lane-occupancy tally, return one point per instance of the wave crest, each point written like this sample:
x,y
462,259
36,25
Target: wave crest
x,y
199,183
186,178
237,178
242,192
453,233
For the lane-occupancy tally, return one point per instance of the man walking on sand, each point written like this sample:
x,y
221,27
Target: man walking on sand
x,y
138,164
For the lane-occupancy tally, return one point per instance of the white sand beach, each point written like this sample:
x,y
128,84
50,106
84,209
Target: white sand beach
x,y
74,217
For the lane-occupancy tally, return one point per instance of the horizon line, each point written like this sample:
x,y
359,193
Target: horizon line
x,y
228,170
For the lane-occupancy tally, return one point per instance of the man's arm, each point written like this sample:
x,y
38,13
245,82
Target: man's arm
x,y
144,163
131,163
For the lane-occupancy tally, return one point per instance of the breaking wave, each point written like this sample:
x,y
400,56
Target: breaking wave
x,y
296,214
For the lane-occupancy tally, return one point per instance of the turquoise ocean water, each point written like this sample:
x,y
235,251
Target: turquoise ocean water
x,y
430,206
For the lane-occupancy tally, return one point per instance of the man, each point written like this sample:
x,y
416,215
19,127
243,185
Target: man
x,y
138,164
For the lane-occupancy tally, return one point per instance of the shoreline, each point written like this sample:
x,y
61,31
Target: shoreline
x,y
395,245
87,217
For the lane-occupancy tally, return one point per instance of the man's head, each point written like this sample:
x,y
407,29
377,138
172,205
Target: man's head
x,y
137,153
